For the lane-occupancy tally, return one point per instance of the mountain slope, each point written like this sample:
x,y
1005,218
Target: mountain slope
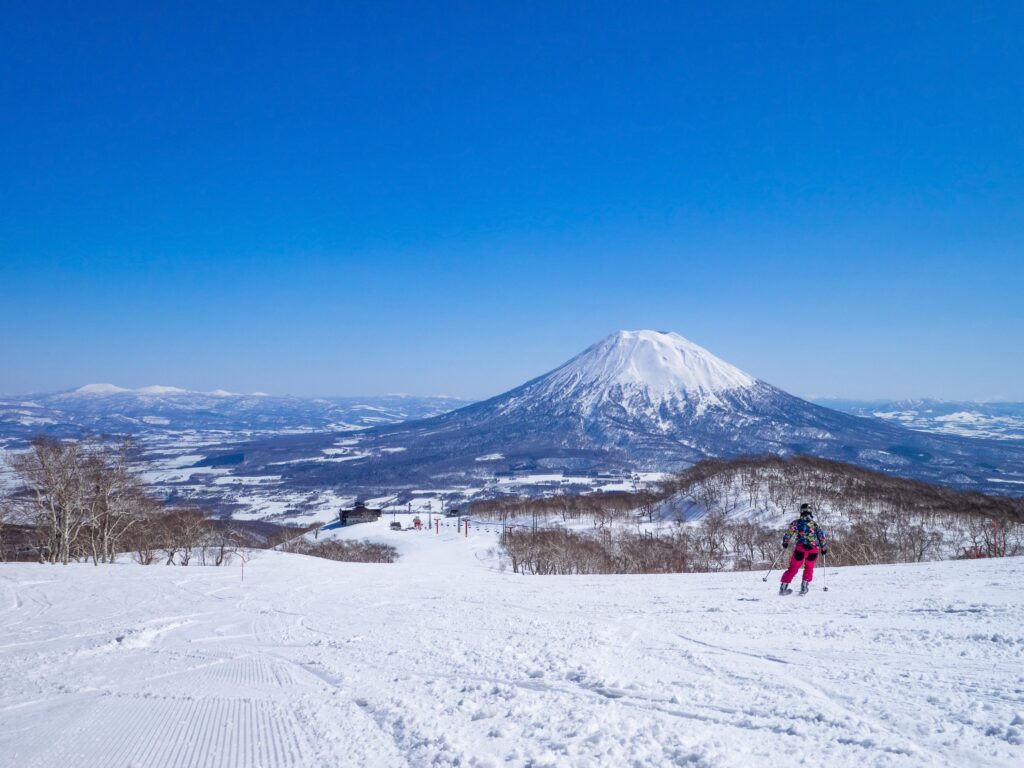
x,y
309,662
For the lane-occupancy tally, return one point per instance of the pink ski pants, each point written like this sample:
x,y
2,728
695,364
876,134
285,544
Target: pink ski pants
x,y
805,556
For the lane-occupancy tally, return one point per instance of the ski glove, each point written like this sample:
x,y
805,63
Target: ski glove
x,y
786,545
824,551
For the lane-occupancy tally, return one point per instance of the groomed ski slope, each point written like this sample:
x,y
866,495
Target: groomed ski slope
x,y
442,660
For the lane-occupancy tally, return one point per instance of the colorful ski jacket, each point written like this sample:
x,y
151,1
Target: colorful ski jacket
x,y
808,533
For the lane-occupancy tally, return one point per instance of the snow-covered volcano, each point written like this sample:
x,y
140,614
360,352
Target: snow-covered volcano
x,y
657,399
642,371
645,400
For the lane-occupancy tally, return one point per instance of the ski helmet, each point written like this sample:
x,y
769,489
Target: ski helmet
x,y
806,511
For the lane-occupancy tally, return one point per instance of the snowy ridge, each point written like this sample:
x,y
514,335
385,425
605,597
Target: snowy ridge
x,y
158,389
99,389
102,390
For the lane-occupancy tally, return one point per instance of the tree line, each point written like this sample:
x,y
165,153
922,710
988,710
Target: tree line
x,y
344,550
81,500
871,518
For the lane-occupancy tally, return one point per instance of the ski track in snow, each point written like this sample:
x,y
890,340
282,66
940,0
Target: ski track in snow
x,y
440,659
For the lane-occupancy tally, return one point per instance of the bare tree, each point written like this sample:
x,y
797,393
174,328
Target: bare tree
x,y
222,543
5,516
54,494
184,532
143,539
117,498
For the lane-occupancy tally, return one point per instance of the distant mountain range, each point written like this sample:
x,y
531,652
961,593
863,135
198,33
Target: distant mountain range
x,y
105,408
996,421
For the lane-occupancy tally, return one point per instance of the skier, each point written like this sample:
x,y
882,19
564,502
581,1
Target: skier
x,y
810,542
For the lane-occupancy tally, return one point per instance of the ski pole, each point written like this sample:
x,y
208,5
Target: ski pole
x,y
824,587
772,566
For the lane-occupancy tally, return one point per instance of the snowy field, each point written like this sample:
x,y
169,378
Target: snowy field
x,y
442,659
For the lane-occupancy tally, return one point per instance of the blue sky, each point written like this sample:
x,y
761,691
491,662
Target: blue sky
x,y
362,198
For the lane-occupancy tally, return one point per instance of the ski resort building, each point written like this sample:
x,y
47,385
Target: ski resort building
x,y
360,513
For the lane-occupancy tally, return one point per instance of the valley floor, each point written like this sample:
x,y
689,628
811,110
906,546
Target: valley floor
x,y
440,659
